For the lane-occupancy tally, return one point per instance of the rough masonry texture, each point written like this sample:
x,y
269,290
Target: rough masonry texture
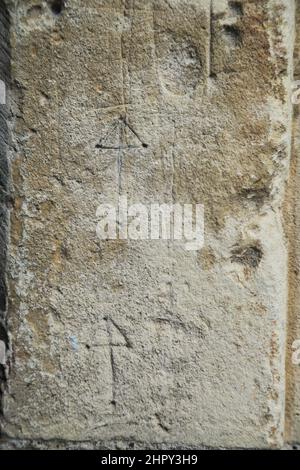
x,y
124,343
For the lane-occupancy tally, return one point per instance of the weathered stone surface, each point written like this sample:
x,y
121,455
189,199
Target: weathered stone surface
x,y
143,340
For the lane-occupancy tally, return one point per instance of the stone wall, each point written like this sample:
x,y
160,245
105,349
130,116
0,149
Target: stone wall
x,y
145,343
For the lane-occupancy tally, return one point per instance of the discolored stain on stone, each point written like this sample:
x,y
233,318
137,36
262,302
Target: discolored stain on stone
x,y
206,258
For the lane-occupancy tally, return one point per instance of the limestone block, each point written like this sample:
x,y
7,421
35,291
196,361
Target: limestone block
x,y
163,101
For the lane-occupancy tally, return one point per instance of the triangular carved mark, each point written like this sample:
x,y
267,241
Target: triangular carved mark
x,y
117,336
121,136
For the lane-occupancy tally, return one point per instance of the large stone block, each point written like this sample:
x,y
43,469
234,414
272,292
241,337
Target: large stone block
x,y
161,101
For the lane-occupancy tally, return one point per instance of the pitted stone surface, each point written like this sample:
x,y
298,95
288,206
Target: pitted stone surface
x,y
144,340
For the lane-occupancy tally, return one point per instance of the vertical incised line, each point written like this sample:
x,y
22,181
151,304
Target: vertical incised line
x,y
210,48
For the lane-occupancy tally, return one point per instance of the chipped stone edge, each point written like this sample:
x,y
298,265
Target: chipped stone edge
x,y
118,445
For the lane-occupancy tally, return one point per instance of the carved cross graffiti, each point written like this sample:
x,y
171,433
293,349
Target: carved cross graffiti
x,y
121,137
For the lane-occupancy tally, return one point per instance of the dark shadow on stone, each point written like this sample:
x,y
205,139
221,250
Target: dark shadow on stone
x,y
247,255
236,8
233,36
4,179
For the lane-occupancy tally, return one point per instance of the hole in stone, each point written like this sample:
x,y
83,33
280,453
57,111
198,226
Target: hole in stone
x,y
57,6
236,8
145,145
34,11
249,255
233,36
88,346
